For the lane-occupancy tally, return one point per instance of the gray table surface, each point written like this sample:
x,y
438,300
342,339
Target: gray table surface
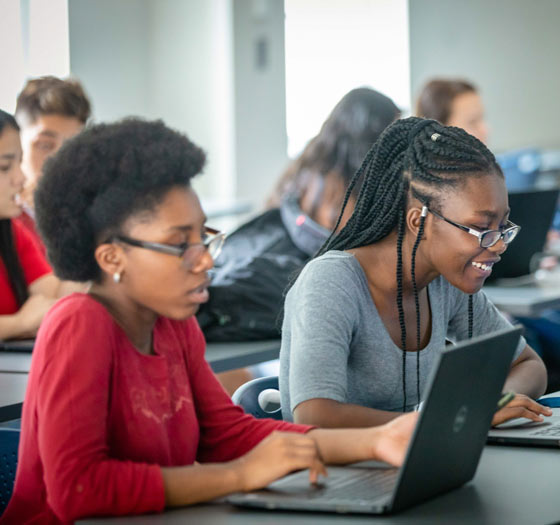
x,y
524,301
513,486
14,367
229,356
15,362
12,393
221,356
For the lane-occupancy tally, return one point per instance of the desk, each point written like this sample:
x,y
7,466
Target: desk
x,y
229,356
12,394
221,356
14,367
524,301
513,486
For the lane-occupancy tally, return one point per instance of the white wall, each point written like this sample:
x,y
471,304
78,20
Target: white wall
x,y
191,82
260,97
193,65
33,42
109,53
167,59
509,48
48,45
11,54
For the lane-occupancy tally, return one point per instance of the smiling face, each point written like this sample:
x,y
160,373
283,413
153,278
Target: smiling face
x,y
159,282
11,176
41,139
481,203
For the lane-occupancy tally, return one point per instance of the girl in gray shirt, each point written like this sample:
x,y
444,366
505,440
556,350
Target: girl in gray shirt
x,y
366,318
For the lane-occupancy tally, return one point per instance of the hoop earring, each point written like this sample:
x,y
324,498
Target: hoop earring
x,y
117,277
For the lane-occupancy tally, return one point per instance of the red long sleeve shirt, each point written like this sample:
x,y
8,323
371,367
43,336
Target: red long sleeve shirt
x,y
33,264
28,222
100,418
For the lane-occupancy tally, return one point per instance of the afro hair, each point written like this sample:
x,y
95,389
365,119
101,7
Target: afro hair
x,y
99,179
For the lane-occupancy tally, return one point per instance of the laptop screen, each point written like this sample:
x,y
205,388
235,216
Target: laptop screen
x,y
533,211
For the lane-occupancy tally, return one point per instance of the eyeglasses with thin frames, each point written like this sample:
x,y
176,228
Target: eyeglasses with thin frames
x,y
212,241
486,238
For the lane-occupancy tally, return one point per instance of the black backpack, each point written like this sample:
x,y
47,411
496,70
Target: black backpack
x,y
249,280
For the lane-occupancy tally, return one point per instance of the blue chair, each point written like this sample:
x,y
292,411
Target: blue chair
x,y
9,442
260,397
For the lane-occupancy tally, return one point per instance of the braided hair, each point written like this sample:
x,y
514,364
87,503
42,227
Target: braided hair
x,y
416,157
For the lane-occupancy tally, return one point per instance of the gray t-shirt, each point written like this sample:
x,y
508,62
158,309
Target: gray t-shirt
x,y
335,345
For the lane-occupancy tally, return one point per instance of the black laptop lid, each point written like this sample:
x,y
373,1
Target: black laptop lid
x,y
461,398
534,212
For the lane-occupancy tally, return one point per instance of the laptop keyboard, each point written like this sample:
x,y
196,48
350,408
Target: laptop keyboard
x,y
551,431
361,484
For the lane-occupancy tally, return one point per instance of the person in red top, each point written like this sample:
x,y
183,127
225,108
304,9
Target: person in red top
x,y
27,287
122,414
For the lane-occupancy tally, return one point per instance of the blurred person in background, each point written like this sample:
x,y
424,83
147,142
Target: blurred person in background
x,y
49,111
259,258
453,102
27,286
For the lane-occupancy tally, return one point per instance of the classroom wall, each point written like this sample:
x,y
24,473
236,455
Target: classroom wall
x,y
191,68
260,96
215,69
168,59
196,65
509,48
109,53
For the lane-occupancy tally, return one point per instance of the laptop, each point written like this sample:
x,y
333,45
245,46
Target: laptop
x,y
444,450
524,432
533,211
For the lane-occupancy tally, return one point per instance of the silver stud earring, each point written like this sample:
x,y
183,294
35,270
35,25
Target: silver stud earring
x,y
117,277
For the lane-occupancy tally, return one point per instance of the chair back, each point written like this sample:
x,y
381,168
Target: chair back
x,y
260,397
9,442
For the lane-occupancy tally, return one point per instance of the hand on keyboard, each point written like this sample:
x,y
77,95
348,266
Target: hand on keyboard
x,y
521,406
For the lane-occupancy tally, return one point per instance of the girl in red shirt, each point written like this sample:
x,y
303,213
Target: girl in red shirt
x,y
122,413
27,286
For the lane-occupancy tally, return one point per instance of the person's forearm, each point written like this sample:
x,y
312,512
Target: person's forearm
x,y
326,413
527,377
11,328
341,446
199,483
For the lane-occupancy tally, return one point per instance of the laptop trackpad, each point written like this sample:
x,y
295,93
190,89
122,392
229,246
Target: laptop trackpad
x,y
342,482
519,422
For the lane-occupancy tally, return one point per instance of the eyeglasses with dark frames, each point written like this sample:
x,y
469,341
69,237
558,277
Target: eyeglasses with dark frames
x,y
212,241
486,238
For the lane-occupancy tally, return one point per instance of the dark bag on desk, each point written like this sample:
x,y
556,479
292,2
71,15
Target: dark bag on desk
x,y
256,265
245,304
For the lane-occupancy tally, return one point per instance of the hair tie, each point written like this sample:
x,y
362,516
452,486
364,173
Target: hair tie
x,y
419,126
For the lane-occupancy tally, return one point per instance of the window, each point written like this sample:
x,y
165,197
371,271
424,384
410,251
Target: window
x,y
333,46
